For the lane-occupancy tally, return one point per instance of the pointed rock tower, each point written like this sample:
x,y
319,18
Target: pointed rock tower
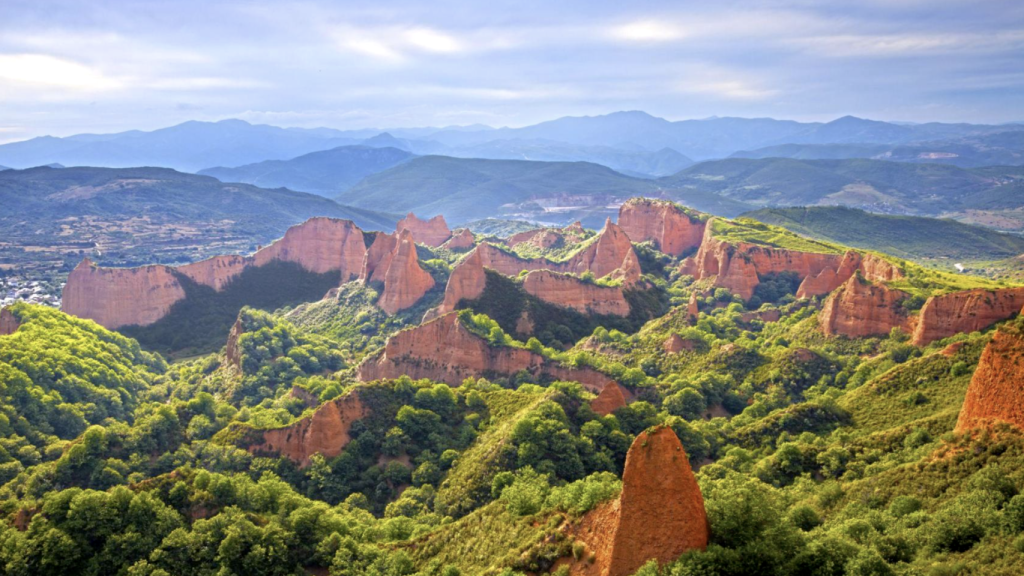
x,y
996,393
404,282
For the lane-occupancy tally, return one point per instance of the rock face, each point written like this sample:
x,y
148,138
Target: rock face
x,y
404,282
549,237
116,297
996,392
859,309
8,323
610,399
446,351
232,351
670,228
467,280
571,292
871,267
319,245
659,514
433,232
326,432
967,311
461,240
378,257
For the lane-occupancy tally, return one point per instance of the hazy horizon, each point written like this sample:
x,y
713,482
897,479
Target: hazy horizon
x,y
70,67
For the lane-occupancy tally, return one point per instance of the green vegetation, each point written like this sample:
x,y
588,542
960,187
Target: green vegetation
x,y
754,232
927,240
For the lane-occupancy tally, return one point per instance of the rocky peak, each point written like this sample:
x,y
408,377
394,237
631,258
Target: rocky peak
x,y
569,291
610,399
860,308
967,311
658,516
665,224
995,394
232,351
319,245
378,257
405,282
460,240
433,232
605,255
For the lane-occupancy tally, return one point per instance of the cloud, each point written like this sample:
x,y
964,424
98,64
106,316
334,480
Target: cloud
x,y
860,45
396,44
49,71
432,40
647,31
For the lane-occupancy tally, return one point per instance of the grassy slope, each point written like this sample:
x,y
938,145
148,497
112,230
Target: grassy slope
x,y
910,237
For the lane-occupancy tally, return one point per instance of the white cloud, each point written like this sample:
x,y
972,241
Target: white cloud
x,y
854,45
202,83
648,31
49,71
432,40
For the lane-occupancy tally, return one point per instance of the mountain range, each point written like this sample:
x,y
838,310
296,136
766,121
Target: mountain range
x,y
634,143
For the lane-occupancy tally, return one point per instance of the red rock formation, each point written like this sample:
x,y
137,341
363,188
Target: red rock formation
x,y
116,297
445,351
461,240
378,257
859,309
675,344
325,432
871,267
571,292
659,514
692,309
8,323
665,224
549,237
467,281
433,232
967,311
629,272
319,245
404,282
232,351
736,266
996,392
610,399
604,256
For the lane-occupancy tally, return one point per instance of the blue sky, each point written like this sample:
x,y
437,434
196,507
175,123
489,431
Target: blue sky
x,y
101,66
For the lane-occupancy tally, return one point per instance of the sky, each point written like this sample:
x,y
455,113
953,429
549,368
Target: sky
x,y
75,66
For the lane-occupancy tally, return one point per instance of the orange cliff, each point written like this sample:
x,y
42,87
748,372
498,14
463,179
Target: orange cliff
x,y
460,241
996,392
859,309
326,431
610,399
967,311
378,257
664,223
9,324
446,351
405,282
468,280
571,292
116,297
433,232
658,516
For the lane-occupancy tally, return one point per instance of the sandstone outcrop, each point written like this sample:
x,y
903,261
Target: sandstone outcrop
x,y
664,223
319,245
232,350
116,297
446,351
468,279
859,309
967,311
326,432
996,392
405,282
8,323
658,516
461,240
692,308
549,237
433,232
871,267
378,257
571,292
610,399
675,344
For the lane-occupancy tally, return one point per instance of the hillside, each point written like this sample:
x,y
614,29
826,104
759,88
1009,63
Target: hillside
x,y
134,215
911,237
784,405
470,189
875,185
325,173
